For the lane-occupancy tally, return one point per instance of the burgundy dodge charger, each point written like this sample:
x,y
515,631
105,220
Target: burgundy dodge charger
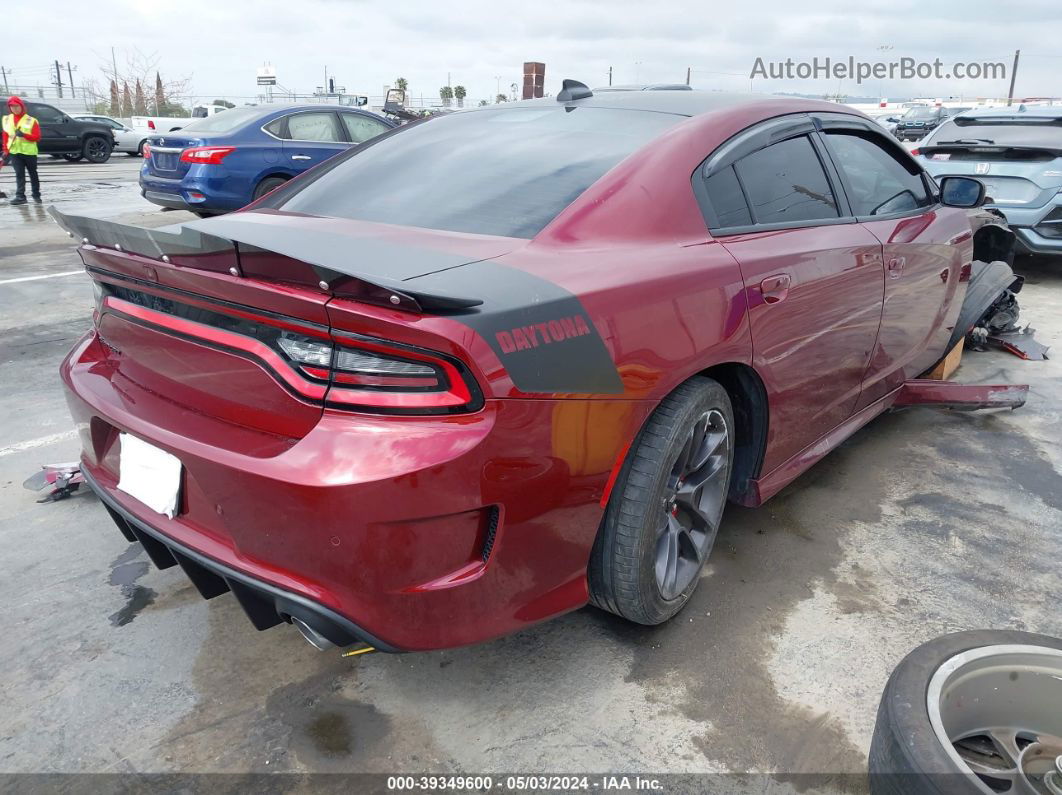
x,y
487,368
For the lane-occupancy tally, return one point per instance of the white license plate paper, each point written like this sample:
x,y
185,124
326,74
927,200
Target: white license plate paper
x,y
151,475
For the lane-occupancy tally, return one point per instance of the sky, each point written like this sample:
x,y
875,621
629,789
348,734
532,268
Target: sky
x,y
367,44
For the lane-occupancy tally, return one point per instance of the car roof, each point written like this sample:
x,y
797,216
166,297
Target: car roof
x,y
647,87
683,103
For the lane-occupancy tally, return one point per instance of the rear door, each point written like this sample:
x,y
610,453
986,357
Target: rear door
x,y
813,276
59,133
311,137
924,248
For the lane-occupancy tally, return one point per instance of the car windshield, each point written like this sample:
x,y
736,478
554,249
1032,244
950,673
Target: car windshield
x,y
1002,131
919,114
505,172
225,121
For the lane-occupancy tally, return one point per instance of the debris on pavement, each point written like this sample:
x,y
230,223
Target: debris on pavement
x,y
65,479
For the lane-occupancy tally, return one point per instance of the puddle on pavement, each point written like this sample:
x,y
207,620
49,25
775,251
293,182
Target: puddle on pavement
x,y
125,571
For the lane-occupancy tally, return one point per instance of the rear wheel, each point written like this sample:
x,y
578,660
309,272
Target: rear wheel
x,y
666,506
96,149
266,185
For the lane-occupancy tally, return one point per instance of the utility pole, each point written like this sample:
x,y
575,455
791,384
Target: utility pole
x,y
59,79
1013,75
610,75
3,72
70,74
114,65
688,68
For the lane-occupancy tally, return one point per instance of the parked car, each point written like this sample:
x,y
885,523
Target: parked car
x,y
916,123
1017,154
70,138
488,368
126,139
223,162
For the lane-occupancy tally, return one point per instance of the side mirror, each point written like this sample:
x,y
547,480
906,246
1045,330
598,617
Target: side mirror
x,y
962,192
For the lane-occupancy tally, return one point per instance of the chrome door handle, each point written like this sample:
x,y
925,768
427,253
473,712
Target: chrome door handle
x,y
775,288
896,265
300,157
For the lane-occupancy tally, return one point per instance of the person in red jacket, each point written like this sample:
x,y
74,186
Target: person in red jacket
x,y
20,135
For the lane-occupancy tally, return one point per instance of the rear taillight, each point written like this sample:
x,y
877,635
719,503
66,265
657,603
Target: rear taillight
x,y
207,155
151,124
343,370
916,152
146,150
364,372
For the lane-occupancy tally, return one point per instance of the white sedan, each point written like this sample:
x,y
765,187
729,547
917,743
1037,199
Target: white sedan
x,y
126,139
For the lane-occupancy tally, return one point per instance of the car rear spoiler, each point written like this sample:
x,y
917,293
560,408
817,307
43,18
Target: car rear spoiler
x,y
203,243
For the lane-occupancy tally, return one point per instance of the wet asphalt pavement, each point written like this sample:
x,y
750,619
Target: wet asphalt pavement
x,y
922,523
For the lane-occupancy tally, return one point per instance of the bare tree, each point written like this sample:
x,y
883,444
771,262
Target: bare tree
x,y
135,66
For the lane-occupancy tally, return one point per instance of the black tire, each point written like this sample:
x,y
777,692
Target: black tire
x,y
623,572
202,214
266,185
906,758
140,148
73,157
97,149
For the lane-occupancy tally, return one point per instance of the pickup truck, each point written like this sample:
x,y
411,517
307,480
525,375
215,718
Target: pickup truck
x,y
161,124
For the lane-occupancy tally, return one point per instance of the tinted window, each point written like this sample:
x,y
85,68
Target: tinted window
x,y
727,200
1002,130
493,172
878,183
45,113
312,127
362,128
786,183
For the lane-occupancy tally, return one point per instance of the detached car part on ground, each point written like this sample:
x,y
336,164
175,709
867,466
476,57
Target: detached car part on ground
x,y
423,412
972,713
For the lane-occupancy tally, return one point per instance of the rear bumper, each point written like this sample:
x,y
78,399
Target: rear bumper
x,y
218,191
413,533
265,604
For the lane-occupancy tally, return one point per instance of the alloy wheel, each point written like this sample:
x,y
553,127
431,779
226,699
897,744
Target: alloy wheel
x,y
693,504
997,711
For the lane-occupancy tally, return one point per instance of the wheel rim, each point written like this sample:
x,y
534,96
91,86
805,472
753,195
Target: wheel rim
x,y
997,711
95,148
693,504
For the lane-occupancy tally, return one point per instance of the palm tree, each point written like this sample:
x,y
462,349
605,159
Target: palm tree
x,y
402,84
460,93
446,94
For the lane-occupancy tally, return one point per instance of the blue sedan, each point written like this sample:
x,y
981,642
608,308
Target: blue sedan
x,y
226,161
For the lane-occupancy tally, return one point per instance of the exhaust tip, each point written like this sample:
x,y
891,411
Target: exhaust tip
x,y
312,636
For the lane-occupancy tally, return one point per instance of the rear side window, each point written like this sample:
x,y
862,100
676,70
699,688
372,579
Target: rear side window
x,y
786,183
312,127
878,183
362,128
276,128
44,113
728,202
498,171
